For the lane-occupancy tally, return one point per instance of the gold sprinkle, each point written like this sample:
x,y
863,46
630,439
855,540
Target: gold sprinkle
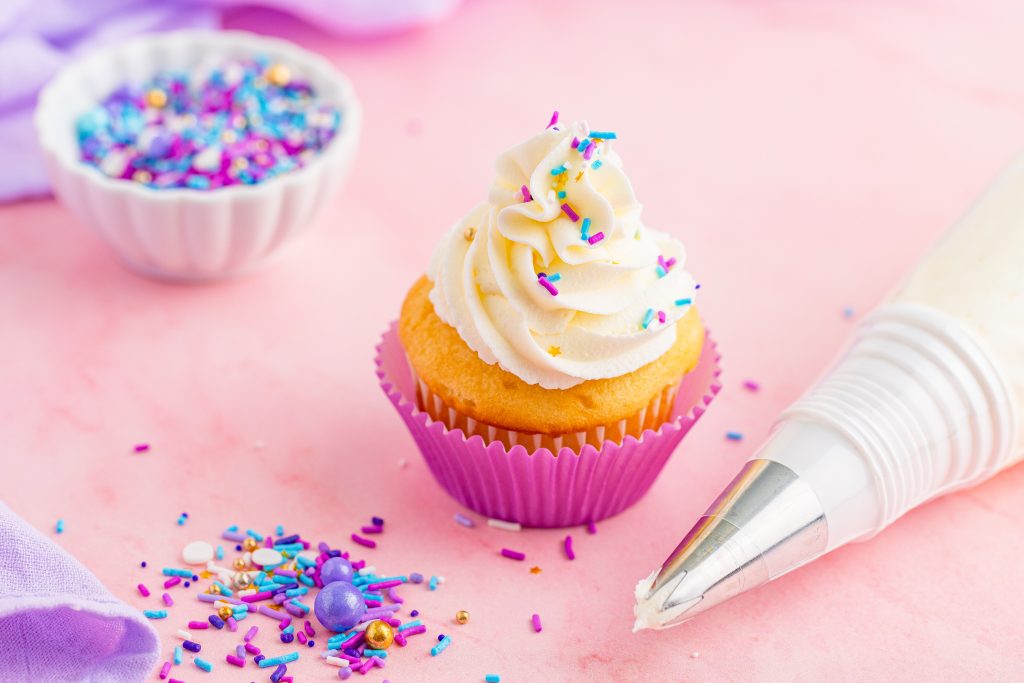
x,y
535,570
205,574
555,350
579,176
469,233
278,74
156,98
142,176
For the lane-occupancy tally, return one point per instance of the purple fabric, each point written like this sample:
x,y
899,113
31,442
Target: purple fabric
x,y
58,622
37,37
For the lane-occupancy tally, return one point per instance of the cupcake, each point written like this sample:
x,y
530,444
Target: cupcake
x,y
552,357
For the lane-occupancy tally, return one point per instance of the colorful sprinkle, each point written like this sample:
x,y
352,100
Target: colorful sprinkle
x,y
141,447
585,229
751,385
492,678
143,590
441,646
597,164
573,216
554,119
684,302
603,135
527,197
59,526
568,548
203,664
513,554
559,170
503,525
734,436
464,521
648,317
544,282
595,238
535,620
155,613
365,542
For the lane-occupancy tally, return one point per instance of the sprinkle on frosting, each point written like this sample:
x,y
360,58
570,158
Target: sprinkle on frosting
x,y
573,216
596,237
527,197
554,119
648,317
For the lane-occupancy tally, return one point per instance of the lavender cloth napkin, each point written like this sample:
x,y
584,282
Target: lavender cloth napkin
x,y
37,37
58,622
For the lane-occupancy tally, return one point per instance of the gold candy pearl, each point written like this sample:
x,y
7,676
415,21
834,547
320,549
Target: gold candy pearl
x,y
142,176
214,590
242,580
225,612
156,98
278,74
379,634
250,544
469,234
239,563
462,616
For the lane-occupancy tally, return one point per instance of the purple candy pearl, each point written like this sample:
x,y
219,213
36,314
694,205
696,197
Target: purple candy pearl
x,y
339,606
336,569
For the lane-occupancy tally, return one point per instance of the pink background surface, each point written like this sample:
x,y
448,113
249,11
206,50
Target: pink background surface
x,y
806,154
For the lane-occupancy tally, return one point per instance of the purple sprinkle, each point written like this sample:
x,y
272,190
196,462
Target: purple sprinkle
x,y
751,385
372,530
377,521
573,216
415,613
591,528
536,623
596,237
546,284
365,542
527,197
568,548
141,447
513,554
554,119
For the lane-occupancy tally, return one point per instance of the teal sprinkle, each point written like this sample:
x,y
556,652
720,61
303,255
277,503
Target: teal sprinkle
x,y
433,583
289,629
582,147
684,302
561,194
383,654
597,164
304,608
585,229
283,659
409,624
603,136
648,317
181,520
305,579
239,616
220,552
155,613
170,571
661,271
203,664
558,170
60,526
296,592
734,436
233,527
440,647
178,654
223,589
258,537
492,678
279,530
305,561
554,277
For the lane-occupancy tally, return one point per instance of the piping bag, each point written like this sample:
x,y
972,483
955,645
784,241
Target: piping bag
x,y
926,398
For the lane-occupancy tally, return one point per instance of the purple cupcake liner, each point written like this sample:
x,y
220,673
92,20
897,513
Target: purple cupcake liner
x,y
539,488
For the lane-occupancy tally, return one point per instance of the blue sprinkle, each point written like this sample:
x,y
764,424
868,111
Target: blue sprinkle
x,y
848,312
734,436
648,317
597,164
558,170
684,302
603,136
60,526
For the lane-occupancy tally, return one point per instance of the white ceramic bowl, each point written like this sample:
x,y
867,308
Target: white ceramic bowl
x,y
184,234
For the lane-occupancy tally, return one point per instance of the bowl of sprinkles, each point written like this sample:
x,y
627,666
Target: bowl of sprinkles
x,y
198,155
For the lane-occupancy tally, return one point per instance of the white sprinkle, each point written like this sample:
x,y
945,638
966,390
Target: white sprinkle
x,y
184,635
694,654
336,661
504,526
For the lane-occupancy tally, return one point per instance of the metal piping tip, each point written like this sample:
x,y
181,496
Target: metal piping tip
x,y
765,523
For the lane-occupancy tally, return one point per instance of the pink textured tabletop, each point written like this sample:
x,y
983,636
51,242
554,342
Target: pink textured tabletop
x,y
806,155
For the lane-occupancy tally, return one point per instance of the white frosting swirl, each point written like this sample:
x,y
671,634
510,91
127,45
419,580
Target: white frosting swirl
x,y
488,287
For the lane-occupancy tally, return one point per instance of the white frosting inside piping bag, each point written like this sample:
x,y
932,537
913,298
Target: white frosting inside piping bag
x,y
561,290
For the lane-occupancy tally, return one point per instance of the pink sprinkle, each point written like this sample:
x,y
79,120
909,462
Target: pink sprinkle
x,y
513,554
596,237
256,597
671,262
554,119
198,625
168,600
400,639
536,623
373,529
370,602
751,385
381,585
591,528
301,635
527,197
308,628
357,638
661,317
171,582
251,633
393,622
237,661
252,649
661,262
570,213
141,447
165,670
365,542
414,631
232,624
568,548
143,590
547,284
575,142
589,151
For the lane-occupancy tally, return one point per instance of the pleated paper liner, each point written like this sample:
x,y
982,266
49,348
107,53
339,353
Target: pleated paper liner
x,y
538,480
